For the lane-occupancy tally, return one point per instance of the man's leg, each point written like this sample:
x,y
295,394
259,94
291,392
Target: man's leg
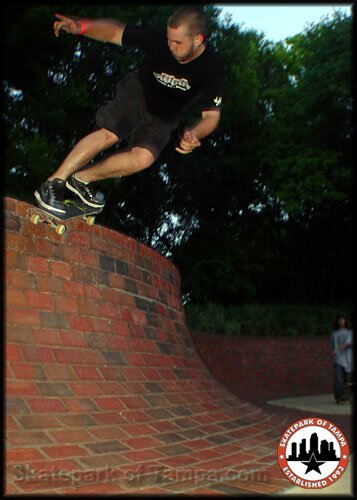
x,y
119,165
85,151
339,382
50,194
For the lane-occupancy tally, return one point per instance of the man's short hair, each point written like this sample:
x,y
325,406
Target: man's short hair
x,y
193,17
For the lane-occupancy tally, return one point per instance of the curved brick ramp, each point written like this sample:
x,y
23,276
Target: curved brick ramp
x,y
105,390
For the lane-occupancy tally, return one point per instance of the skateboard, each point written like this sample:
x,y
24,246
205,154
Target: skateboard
x,y
74,209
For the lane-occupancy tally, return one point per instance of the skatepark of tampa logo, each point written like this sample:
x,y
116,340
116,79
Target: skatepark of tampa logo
x,y
313,453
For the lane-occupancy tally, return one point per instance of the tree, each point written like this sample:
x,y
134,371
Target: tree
x,y
307,169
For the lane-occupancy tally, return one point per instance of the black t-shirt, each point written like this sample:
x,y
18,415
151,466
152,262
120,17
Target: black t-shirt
x,y
168,85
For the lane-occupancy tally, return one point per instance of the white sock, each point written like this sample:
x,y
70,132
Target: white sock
x,y
83,182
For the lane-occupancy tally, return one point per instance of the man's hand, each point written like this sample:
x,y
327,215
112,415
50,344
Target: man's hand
x,y
188,142
67,24
103,30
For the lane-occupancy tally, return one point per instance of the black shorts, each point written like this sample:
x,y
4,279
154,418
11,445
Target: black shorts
x,y
126,116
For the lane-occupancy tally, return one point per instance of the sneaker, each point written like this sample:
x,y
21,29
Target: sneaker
x,y
88,193
345,402
49,196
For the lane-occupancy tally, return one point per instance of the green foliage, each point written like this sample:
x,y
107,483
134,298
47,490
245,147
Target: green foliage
x,y
271,320
308,154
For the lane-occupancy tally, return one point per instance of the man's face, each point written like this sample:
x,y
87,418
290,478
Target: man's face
x,y
182,45
341,321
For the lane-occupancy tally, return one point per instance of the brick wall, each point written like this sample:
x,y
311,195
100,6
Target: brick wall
x,y
259,369
101,371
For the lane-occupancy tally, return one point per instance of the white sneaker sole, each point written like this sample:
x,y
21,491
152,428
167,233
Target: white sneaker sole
x,y
48,207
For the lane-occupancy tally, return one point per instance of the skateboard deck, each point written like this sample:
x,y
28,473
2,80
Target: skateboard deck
x,y
74,209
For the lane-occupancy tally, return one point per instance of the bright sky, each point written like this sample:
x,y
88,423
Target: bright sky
x,y
278,22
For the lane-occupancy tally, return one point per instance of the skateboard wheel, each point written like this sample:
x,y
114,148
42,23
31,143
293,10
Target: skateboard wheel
x,y
90,220
60,229
35,219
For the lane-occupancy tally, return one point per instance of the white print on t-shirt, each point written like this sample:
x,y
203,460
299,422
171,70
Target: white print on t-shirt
x,y
172,81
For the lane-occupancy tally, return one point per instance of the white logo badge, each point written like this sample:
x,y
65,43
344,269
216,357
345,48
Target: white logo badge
x,y
313,453
217,100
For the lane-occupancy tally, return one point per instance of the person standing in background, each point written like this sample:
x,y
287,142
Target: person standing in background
x,y
341,343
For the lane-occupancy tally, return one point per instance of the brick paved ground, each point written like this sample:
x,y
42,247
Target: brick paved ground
x,y
105,392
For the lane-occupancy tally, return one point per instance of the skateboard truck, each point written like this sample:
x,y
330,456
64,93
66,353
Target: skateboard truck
x,y
74,210
59,227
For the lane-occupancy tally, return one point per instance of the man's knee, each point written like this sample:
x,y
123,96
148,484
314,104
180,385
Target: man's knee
x,y
142,158
107,138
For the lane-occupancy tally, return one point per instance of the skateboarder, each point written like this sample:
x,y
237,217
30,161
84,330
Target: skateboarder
x,y
147,105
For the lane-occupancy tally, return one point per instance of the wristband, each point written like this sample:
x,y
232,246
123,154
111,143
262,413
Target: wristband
x,y
84,27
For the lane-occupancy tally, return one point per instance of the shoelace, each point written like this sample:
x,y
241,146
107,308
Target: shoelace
x,y
56,195
90,189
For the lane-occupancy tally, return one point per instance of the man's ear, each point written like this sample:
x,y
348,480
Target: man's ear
x,y
199,38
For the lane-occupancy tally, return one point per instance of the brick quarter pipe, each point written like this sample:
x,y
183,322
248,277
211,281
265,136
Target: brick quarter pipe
x,y
105,392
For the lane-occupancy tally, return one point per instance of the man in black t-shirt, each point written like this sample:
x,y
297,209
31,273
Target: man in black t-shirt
x,y
147,106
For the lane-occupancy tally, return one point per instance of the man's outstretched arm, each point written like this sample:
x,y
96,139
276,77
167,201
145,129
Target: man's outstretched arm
x,y
204,127
104,30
